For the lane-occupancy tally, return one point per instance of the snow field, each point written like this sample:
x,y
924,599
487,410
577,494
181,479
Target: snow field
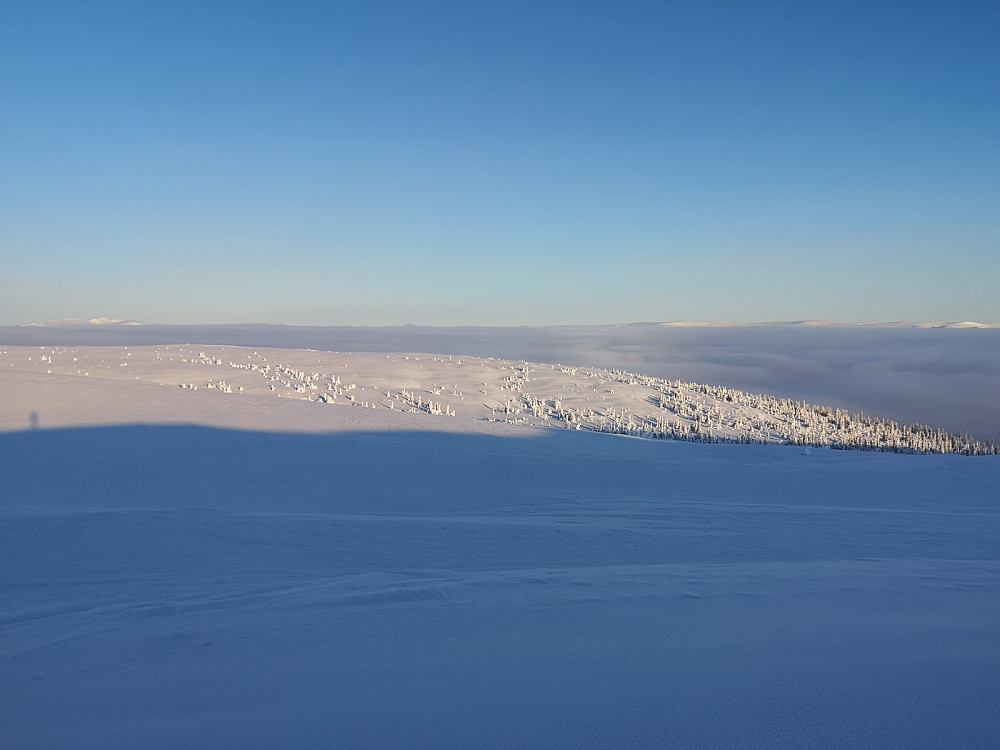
x,y
267,561
518,393
170,585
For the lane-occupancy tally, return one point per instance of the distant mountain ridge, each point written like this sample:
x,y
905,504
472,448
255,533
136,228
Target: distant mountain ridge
x,y
833,324
92,321
957,324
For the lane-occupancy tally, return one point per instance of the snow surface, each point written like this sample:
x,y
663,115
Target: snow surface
x,y
437,385
941,377
200,569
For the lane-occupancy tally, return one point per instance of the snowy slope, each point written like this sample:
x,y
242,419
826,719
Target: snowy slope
x,y
935,376
255,570
521,393
170,586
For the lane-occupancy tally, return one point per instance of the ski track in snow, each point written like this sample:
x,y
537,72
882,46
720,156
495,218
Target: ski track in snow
x,y
375,580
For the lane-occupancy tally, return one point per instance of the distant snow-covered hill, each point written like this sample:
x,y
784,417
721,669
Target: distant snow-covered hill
x,y
472,388
72,322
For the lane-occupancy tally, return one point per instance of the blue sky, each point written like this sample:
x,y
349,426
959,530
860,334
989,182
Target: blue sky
x,y
499,163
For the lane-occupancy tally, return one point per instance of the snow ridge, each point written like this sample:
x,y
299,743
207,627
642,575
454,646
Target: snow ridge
x,y
516,393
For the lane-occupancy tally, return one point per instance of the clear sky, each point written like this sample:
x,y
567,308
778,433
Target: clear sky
x,y
499,163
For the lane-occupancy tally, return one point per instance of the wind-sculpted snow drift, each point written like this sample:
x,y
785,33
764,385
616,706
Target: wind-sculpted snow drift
x,y
215,547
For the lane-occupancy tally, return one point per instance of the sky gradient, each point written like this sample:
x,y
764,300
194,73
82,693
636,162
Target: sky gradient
x,y
503,164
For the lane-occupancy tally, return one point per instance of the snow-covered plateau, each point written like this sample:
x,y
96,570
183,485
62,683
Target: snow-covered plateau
x,y
230,547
